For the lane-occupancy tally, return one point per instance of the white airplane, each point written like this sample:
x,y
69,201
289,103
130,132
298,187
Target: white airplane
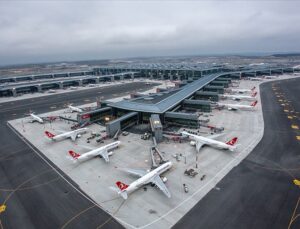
x,y
146,177
235,107
240,97
103,152
200,141
71,134
271,77
75,109
36,118
256,79
242,91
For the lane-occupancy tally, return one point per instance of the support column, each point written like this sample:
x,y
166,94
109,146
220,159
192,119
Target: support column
x,y
112,78
97,80
132,75
61,85
39,88
14,92
80,83
122,77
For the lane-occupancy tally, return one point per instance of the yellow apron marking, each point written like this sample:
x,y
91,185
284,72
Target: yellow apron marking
x,y
295,127
2,208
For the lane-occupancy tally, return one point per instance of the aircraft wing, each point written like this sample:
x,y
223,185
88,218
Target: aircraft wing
x,y
73,136
199,145
136,172
233,108
86,147
214,136
160,184
104,155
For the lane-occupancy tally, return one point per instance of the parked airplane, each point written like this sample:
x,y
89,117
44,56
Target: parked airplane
x,y
75,109
255,78
104,152
52,91
36,118
242,91
71,134
240,97
200,141
271,77
235,107
145,178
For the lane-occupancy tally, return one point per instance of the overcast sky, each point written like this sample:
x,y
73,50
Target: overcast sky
x,y
32,31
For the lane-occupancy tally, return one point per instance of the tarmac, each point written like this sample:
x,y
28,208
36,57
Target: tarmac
x,y
220,202
260,192
148,209
34,193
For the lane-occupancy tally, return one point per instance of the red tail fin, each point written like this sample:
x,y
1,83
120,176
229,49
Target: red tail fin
x,y
49,135
253,88
73,154
232,141
254,104
121,185
254,94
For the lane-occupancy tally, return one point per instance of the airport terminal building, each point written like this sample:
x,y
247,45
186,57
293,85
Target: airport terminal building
x,y
196,89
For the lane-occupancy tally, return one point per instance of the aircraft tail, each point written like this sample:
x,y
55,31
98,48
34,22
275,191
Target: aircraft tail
x,y
121,185
49,135
232,141
252,89
254,103
73,154
254,94
122,193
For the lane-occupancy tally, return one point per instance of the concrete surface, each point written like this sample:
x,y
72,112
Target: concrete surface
x,y
148,209
36,193
260,191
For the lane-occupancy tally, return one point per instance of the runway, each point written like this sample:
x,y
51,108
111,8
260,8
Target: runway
x,y
34,194
260,192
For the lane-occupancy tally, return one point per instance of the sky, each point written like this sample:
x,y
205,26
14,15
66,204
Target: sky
x,y
49,31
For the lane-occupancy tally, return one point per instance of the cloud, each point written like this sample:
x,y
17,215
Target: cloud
x,y
34,31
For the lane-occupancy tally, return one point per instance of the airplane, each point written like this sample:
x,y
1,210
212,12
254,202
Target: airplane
x,y
200,141
240,97
255,79
71,134
36,118
242,91
271,77
52,91
102,152
235,107
145,177
75,109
